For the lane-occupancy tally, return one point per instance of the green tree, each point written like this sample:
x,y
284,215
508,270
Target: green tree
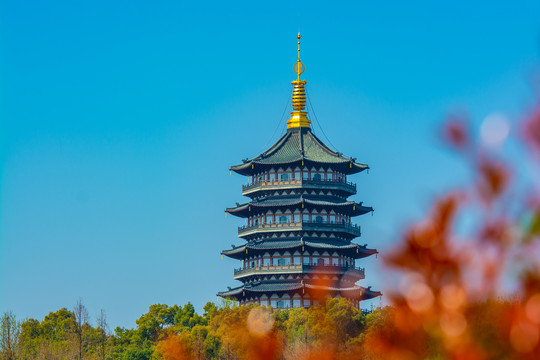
x,y
30,338
157,317
57,325
210,310
187,317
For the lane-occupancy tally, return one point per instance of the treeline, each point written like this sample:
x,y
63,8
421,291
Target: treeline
x,y
178,332
332,330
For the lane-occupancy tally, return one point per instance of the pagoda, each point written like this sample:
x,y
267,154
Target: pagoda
x,y
298,235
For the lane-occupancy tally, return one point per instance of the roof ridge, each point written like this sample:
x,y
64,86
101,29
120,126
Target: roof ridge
x,y
273,148
324,146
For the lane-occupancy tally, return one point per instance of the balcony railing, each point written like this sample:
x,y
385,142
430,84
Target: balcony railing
x,y
349,186
332,268
304,225
268,268
297,268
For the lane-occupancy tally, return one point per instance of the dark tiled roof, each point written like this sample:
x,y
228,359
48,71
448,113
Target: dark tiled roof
x,y
269,287
263,287
276,244
300,144
309,201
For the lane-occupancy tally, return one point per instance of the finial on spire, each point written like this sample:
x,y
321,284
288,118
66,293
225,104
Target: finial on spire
x,y
298,66
298,117
298,37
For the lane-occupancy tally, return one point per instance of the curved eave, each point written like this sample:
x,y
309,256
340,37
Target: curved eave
x,y
249,168
241,252
370,294
354,292
350,208
232,292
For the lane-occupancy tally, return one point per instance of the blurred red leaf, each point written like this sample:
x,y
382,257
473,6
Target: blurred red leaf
x,y
456,133
494,178
531,131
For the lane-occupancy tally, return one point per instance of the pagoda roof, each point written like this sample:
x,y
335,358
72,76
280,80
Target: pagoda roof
x,y
256,206
354,250
299,146
259,288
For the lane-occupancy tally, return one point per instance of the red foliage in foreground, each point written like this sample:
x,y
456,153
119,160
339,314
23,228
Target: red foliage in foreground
x,y
172,348
448,280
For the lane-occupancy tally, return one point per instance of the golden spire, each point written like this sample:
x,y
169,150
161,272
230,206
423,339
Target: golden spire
x,y
298,117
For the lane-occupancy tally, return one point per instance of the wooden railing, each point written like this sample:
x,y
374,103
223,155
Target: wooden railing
x,y
349,186
308,225
297,268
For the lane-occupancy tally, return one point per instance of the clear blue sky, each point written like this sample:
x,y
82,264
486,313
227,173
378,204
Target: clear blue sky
x,y
119,120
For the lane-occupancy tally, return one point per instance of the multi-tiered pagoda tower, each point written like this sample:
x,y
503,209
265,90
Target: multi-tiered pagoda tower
x,y
298,228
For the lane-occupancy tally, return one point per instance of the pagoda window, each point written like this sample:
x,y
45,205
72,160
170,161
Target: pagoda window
x,y
305,259
296,218
305,175
318,219
271,176
305,218
332,219
335,261
296,303
306,301
284,219
266,261
297,175
284,177
317,177
269,219
281,262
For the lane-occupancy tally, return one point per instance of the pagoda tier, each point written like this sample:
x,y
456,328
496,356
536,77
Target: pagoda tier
x,y
299,221
262,186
